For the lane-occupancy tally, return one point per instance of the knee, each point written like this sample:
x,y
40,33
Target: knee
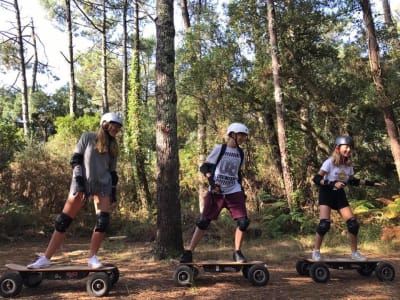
x,y
243,223
203,223
323,226
62,222
353,226
103,220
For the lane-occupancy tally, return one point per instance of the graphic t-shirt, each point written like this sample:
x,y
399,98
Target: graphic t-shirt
x,y
336,173
227,170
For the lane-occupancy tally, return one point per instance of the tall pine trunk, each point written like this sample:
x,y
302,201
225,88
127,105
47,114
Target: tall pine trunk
x,y
280,123
169,231
384,101
72,87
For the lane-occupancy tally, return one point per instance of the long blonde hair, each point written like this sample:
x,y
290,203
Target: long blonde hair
x,y
105,142
340,160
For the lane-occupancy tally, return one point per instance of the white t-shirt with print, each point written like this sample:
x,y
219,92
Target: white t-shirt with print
x,y
227,170
336,173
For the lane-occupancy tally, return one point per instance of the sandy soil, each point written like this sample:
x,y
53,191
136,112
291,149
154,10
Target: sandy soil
x,y
141,277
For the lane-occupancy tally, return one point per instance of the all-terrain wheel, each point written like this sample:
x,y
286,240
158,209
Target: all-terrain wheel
x,y
319,272
10,284
258,275
303,268
366,269
183,275
98,284
32,279
385,271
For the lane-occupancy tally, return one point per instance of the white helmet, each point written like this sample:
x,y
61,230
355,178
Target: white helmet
x,y
111,117
237,128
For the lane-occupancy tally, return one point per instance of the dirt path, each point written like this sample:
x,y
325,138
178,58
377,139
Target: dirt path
x,y
143,278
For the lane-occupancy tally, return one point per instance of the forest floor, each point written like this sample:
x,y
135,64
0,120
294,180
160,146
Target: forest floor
x,y
142,277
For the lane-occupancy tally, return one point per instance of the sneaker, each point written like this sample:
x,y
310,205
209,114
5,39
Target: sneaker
x,y
316,255
41,262
239,257
186,257
358,256
94,262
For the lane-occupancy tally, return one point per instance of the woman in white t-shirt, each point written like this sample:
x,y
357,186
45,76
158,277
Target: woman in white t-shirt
x,y
336,172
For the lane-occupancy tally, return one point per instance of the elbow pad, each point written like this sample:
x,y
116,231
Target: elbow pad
x,y
76,159
354,181
317,179
207,168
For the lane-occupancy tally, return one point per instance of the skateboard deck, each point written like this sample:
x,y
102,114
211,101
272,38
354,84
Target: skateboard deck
x,y
255,271
319,270
99,283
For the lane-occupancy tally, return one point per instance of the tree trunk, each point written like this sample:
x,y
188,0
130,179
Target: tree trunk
x,y
125,85
384,103
24,86
185,15
72,87
35,61
287,179
104,58
169,232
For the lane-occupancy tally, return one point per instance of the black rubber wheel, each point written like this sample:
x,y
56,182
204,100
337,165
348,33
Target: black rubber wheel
x,y
303,268
183,275
114,276
98,284
385,271
10,284
258,275
319,272
366,269
32,279
245,272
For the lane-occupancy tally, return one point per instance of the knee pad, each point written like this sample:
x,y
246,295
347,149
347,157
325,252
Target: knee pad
x,y
203,223
243,223
62,222
353,226
323,226
103,220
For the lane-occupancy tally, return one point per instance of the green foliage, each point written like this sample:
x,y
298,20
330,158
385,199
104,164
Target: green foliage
x,y
11,141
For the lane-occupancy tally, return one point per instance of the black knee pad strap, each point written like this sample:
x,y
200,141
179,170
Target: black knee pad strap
x,y
353,226
62,222
243,223
203,223
103,220
323,226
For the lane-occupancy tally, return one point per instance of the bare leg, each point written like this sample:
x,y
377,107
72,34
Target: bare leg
x,y
197,235
238,239
101,204
347,214
71,208
324,213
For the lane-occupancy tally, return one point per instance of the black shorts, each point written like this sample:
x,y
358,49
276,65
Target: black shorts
x,y
335,199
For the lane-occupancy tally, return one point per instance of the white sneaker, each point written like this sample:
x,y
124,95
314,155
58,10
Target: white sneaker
x,y
94,262
358,256
41,262
316,255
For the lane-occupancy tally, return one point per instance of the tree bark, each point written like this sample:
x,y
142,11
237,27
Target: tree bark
x,y
125,82
280,123
24,86
169,232
104,58
384,103
72,87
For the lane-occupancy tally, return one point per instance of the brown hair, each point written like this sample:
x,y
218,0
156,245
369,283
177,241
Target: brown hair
x,y
105,142
339,160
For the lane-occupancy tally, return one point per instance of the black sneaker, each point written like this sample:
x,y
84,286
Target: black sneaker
x,y
186,257
239,257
